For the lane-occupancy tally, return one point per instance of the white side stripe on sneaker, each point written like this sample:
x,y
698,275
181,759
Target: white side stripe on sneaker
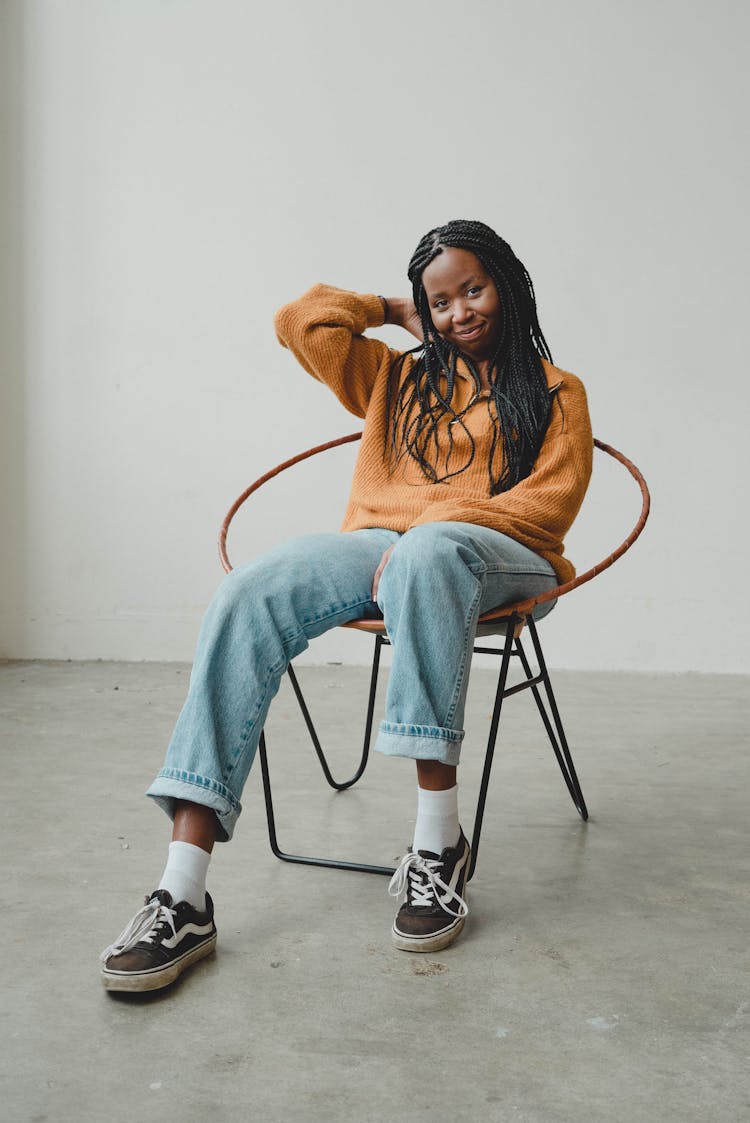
x,y
187,930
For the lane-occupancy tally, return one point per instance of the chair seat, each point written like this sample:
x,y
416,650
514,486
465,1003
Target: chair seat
x,y
495,627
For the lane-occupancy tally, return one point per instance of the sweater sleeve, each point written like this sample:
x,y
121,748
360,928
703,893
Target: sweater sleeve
x,y
324,331
540,509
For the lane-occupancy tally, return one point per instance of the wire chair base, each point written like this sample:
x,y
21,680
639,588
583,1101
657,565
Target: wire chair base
x,y
546,705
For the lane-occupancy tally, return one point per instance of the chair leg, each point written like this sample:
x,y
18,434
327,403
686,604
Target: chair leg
x,y
491,741
559,743
299,859
343,784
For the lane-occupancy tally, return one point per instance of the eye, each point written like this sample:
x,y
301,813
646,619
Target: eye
x,y
474,290
440,304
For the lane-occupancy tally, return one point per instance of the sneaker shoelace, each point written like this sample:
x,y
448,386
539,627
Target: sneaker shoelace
x,y
144,927
418,877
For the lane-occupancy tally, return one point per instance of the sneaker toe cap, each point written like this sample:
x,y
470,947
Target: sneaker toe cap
x,y
133,960
412,924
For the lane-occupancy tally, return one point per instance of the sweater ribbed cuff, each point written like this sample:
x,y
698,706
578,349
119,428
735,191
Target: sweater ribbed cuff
x,y
373,310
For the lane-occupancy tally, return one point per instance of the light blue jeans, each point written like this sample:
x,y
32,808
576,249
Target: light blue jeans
x,y
438,580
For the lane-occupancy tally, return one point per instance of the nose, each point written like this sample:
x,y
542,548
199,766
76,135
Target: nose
x,y
461,312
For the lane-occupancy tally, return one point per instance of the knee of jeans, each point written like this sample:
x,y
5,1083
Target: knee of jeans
x,y
237,588
432,544
426,553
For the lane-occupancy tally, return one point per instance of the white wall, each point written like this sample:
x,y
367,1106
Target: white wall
x,y
178,169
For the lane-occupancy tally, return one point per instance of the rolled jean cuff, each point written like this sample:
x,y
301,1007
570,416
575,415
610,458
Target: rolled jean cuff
x,y
172,784
420,742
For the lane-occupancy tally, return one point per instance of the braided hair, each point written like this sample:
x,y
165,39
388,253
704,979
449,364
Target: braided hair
x,y
519,400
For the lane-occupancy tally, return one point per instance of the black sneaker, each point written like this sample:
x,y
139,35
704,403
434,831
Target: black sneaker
x,y
434,911
161,940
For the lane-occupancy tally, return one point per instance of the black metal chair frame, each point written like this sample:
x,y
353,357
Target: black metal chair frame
x,y
507,622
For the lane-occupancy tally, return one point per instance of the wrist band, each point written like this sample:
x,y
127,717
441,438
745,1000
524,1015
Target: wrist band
x,y
386,309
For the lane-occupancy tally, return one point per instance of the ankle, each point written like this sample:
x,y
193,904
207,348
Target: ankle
x,y
194,824
434,776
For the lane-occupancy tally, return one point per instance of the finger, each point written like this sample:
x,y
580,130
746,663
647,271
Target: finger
x,y
378,572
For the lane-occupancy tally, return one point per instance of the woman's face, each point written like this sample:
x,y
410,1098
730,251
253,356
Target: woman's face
x,y
463,302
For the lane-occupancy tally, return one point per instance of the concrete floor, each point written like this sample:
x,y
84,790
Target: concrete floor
x,y
602,975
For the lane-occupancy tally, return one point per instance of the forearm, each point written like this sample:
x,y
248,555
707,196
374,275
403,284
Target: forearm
x,y
324,330
400,311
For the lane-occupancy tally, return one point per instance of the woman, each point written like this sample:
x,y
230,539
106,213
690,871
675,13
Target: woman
x,y
475,459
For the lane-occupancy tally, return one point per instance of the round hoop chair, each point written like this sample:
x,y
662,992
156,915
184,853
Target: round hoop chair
x,y
506,622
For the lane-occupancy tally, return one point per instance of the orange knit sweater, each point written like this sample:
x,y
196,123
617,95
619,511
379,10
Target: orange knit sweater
x,y
324,330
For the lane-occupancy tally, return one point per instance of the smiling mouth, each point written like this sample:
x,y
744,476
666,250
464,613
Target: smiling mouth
x,y
470,333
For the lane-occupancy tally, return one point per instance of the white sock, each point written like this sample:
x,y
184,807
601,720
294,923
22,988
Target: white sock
x,y
185,874
437,824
